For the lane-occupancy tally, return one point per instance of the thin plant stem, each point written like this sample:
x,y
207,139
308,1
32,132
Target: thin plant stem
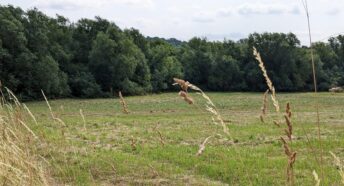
x,y
305,5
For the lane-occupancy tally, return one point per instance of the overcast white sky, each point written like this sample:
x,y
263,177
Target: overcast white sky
x,y
214,19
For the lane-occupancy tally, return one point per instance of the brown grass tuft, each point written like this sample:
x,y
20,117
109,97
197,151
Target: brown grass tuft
x,y
123,103
19,159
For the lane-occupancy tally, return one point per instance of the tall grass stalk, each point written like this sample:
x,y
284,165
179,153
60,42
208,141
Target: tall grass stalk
x,y
51,111
19,158
211,108
291,155
305,5
339,166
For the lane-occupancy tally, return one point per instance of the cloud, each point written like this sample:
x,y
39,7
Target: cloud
x,y
265,9
59,4
140,3
220,37
143,22
80,4
203,17
333,12
225,12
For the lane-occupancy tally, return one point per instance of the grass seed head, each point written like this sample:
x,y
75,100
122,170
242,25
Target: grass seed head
x,y
267,79
316,178
186,97
276,123
133,143
123,103
184,85
202,146
288,110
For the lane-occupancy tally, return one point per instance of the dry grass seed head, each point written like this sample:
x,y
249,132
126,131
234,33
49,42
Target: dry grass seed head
x,y
291,160
133,143
276,123
83,118
184,85
286,147
261,117
316,178
289,130
339,166
264,106
267,79
161,138
19,164
210,106
186,97
123,103
265,102
202,146
288,110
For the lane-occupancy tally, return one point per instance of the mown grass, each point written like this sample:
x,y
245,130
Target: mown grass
x,y
104,153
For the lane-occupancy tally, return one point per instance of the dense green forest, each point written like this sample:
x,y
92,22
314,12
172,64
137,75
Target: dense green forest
x,y
96,58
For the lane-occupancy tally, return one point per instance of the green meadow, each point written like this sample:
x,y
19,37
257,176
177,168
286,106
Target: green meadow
x,y
95,143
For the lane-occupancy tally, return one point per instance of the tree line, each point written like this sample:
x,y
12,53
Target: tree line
x,y
95,58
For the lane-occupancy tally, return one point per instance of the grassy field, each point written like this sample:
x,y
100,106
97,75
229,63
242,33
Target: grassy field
x,y
157,141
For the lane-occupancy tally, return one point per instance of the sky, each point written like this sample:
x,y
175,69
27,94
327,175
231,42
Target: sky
x,y
213,19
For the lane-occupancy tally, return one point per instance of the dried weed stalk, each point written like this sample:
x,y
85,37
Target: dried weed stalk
x,y
2,98
316,178
339,166
184,85
202,146
30,113
265,106
123,103
305,5
83,119
186,97
276,123
51,111
161,138
267,79
133,143
291,160
291,155
210,106
19,160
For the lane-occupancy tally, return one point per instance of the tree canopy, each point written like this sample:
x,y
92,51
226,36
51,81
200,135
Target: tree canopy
x,y
96,58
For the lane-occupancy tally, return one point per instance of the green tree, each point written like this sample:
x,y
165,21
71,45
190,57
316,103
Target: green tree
x,y
164,65
118,64
197,60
